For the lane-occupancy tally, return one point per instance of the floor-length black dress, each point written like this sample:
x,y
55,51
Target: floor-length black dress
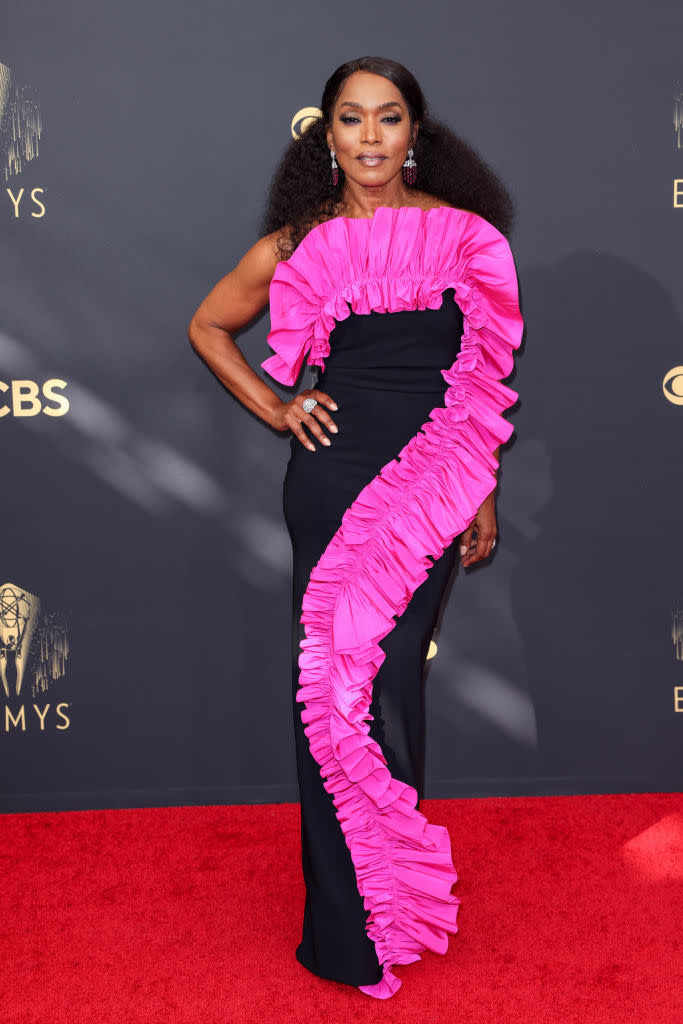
x,y
384,373
412,317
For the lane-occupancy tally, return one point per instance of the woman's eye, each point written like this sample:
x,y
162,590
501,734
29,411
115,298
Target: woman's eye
x,y
391,118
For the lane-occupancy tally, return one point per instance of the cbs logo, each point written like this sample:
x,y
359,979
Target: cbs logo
x,y
672,385
26,398
303,119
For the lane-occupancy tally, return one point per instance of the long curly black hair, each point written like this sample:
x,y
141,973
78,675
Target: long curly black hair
x,y
301,193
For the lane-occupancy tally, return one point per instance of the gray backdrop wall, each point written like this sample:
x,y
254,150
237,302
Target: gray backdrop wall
x,y
144,563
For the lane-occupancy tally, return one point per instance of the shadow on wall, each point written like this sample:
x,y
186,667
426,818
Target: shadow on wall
x,y
593,594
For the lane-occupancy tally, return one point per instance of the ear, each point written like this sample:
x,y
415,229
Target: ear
x,y
414,134
328,138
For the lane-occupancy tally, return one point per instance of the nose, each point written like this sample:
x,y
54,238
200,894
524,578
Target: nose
x,y
371,133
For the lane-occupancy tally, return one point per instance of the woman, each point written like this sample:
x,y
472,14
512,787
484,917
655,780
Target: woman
x,y
405,298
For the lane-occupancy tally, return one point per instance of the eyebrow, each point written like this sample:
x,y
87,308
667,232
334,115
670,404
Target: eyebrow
x,y
382,106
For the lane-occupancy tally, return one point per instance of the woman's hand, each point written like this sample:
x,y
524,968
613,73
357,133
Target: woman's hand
x,y
291,415
485,524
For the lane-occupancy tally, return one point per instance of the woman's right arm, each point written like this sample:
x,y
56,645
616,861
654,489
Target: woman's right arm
x,y
235,300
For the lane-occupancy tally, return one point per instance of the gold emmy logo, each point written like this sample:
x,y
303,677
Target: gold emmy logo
x,y
677,639
677,633
24,398
21,125
29,638
303,119
678,143
672,385
21,122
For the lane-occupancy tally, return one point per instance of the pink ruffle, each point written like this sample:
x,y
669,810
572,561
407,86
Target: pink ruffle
x,y
400,521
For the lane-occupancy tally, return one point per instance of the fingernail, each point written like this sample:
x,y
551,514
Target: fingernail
x,y
334,405
463,549
326,440
334,429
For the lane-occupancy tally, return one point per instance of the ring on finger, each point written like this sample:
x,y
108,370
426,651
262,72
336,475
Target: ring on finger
x,y
309,404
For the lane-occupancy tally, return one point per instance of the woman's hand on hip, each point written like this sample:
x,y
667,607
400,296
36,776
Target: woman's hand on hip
x,y
292,416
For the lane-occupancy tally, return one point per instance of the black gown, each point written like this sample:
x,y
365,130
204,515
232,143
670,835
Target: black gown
x,y
384,373
412,316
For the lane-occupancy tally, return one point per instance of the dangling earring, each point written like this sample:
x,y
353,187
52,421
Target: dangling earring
x,y
335,172
409,172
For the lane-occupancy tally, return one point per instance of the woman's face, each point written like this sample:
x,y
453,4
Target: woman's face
x,y
370,129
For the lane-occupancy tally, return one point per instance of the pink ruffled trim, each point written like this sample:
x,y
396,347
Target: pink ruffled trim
x,y
385,987
400,259
402,520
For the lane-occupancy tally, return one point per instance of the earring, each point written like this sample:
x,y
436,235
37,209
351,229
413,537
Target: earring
x,y
409,172
335,172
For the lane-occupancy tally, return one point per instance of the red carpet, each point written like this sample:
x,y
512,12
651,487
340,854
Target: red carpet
x,y
571,912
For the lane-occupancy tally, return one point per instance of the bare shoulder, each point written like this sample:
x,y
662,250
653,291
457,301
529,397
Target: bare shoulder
x,y
245,290
260,261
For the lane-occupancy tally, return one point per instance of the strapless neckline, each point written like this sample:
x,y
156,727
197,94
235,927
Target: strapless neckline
x,y
342,216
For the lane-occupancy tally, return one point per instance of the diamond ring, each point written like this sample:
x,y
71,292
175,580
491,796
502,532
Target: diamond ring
x,y
309,404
